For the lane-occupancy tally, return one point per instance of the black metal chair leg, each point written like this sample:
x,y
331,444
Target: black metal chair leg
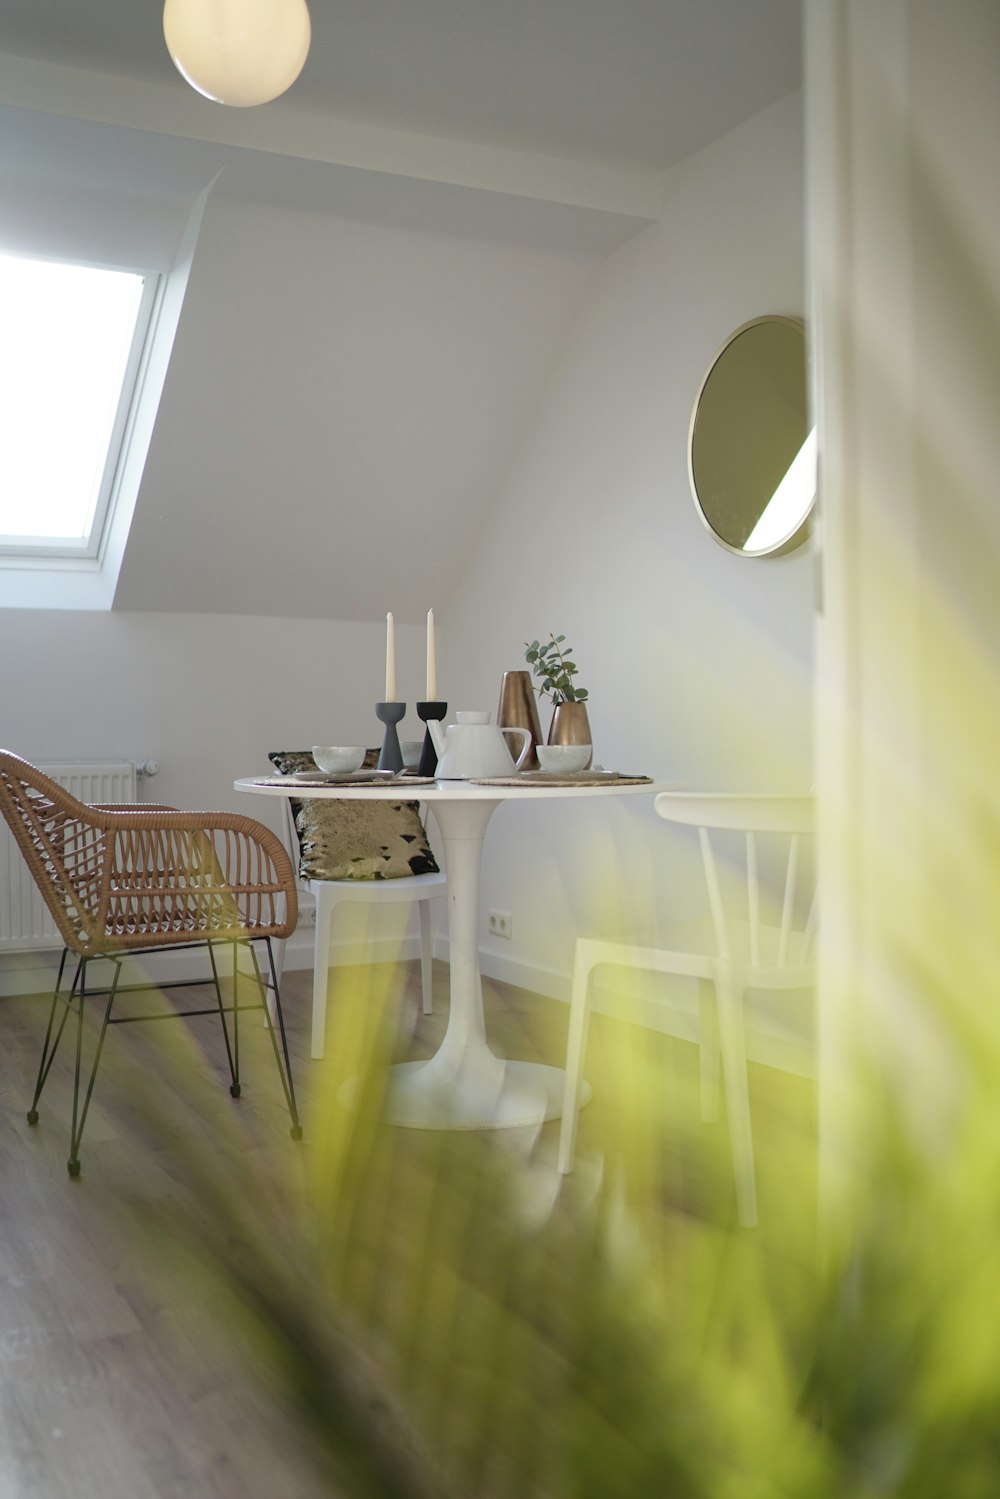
x,y
285,1073
76,1001
76,1130
234,1086
235,1064
48,1053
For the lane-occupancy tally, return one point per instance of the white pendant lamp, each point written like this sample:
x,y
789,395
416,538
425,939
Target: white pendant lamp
x,y
239,52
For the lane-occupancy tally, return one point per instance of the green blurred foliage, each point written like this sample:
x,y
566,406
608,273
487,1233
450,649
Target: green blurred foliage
x,y
449,1319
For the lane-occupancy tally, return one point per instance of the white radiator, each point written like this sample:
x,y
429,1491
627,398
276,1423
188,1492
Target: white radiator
x,y
25,922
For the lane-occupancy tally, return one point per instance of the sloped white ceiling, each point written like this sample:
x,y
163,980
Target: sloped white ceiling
x,y
342,403
357,356
635,83
373,313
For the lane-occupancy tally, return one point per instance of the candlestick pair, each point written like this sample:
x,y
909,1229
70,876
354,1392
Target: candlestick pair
x,y
391,754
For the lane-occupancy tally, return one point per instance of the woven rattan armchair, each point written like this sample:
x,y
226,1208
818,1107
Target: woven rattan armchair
x,y
139,879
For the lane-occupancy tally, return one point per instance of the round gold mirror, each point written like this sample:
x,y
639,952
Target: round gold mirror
x,y
751,452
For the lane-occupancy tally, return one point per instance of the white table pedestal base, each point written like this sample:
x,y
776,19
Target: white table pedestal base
x,y
529,1094
464,1085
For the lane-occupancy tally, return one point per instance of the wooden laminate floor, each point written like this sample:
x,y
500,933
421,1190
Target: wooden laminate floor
x,y
112,1384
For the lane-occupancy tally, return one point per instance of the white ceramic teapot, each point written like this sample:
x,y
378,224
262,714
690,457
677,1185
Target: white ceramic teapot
x,y
472,747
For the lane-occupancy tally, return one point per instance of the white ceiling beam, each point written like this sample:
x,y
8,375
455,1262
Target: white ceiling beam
x,y
77,93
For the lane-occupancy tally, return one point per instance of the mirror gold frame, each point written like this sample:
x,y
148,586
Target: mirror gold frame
x,y
751,450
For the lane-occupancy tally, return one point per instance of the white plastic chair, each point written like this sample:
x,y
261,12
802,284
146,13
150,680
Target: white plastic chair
x,y
415,889
734,951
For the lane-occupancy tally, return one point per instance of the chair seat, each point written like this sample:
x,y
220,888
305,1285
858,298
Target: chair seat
x,y
768,969
407,887
692,945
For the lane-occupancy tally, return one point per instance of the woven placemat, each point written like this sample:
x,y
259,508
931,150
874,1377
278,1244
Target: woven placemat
x,y
348,778
553,778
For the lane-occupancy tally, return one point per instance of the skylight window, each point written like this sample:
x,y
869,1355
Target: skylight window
x,y
69,359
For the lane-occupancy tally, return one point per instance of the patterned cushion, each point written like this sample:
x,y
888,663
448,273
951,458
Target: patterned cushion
x,y
355,840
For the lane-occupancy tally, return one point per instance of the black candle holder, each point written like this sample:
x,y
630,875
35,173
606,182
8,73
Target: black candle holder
x,y
391,756
428,754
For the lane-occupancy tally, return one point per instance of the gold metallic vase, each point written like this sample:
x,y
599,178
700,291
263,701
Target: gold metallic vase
x,y
518,710
570,725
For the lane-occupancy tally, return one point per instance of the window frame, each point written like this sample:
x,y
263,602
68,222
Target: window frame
x,y
40,551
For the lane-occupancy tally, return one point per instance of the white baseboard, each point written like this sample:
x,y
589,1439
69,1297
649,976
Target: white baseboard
x,y
34,972
547,981
673,1012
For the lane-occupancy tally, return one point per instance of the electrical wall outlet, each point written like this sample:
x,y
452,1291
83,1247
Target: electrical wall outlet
x,y
500,923
307,916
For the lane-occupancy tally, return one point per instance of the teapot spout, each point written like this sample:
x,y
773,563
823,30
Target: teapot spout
x,y
437,736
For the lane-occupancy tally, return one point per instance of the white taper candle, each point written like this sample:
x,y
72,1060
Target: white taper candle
x,y
390,659
432,681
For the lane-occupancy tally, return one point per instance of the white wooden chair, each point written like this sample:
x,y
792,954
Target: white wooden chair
x,y
416,889
735,950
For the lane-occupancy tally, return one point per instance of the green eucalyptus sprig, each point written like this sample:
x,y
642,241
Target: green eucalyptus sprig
x,y
552,665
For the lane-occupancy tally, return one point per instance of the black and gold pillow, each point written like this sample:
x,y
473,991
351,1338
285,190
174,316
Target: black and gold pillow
x,y
355,840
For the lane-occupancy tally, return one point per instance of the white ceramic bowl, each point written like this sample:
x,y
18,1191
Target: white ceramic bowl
x,y
411,749
563,758
338,759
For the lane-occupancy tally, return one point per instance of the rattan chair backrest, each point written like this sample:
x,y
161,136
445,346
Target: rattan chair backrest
x,y
138,878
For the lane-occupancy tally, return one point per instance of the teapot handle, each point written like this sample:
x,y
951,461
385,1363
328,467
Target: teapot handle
x,y
516,728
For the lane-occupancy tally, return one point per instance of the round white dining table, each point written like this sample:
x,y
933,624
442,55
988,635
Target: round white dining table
x,y
464,1085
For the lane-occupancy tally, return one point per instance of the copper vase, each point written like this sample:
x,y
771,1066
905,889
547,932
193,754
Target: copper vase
x,y
570,725
518,710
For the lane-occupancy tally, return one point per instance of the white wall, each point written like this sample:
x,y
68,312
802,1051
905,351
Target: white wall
x,y
698,662
205,695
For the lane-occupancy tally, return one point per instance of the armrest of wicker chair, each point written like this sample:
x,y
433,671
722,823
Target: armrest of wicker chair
x,y
145,876
132,807
174,876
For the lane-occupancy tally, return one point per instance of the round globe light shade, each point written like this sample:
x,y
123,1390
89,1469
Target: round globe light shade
x,y
239,52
